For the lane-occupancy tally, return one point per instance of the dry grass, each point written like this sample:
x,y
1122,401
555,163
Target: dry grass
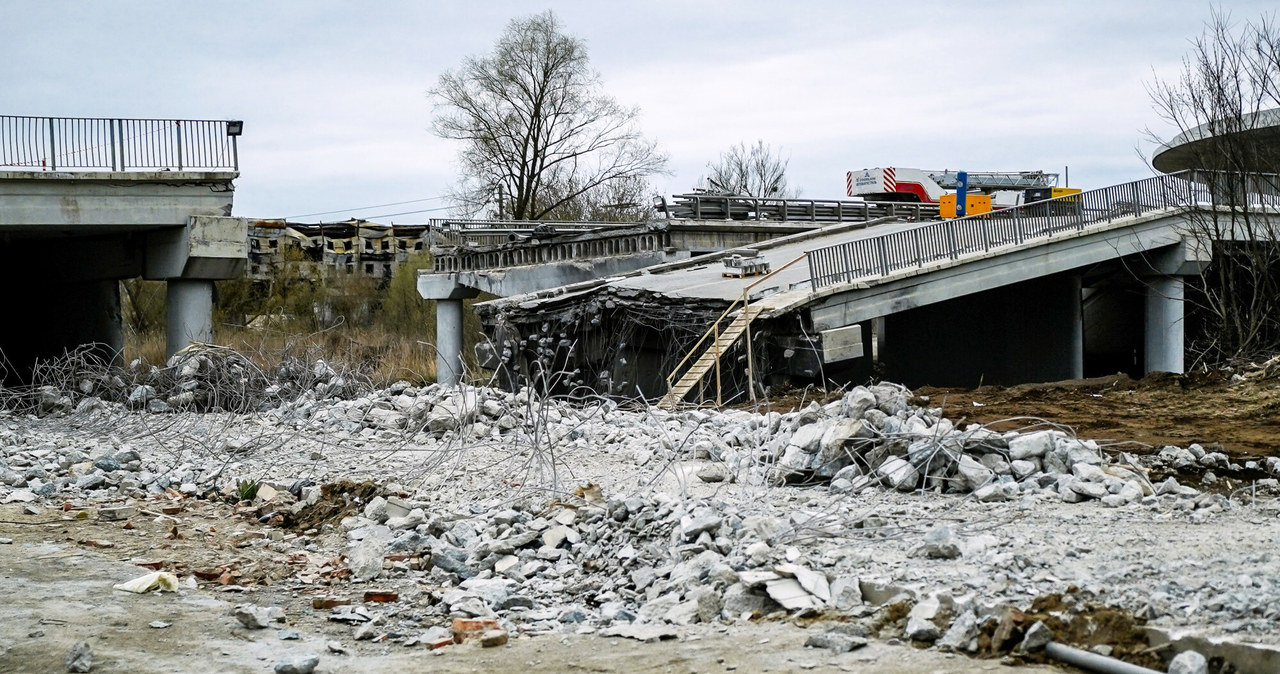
x,y
382,356
148,346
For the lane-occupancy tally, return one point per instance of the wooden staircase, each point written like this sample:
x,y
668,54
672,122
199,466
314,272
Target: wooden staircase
x,y
710,357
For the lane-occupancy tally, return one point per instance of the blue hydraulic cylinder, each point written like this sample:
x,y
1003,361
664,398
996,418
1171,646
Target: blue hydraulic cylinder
x,y
962,193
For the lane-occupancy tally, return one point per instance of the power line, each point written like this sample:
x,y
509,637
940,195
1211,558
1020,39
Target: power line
x,y
364,208
425,210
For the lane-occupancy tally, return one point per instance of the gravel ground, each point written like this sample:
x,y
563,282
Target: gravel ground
x,y
867,518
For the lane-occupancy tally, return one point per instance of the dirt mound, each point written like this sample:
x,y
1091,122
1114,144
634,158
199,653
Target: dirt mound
x,y
1140,416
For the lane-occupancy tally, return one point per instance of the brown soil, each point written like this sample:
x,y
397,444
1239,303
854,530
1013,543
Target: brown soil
x,y
1141,416
337,500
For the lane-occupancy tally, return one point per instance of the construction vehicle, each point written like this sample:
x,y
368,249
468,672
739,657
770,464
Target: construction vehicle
x,y
987,191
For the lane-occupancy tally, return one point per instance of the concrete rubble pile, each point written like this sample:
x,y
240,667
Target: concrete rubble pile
x,y
689,517
201,377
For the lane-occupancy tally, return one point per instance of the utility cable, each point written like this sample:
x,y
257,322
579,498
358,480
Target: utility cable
x,y
365,208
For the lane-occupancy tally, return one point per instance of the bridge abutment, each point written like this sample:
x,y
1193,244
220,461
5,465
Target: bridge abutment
x,y
47,320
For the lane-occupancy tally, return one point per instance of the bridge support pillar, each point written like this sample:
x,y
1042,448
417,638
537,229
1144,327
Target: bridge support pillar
x,y
1163,343
188,313
448,341
448,295
1077,327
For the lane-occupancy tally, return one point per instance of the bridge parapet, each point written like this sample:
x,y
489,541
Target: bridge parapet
x,y
950,239
106,144
701,206
516,248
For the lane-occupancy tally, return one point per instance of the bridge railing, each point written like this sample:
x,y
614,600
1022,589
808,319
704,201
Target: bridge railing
x,y
949,239
551,250
467,224
732,207
100,144
466,233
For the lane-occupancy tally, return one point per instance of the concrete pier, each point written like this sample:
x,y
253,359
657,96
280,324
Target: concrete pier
x,y
188,313
1163,343
448,341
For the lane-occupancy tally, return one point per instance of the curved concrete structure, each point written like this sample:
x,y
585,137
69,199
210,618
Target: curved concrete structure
x,y
1194,149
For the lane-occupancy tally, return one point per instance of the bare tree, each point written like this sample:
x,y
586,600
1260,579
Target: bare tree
x,y
628,199
755,171
1225,90
537,131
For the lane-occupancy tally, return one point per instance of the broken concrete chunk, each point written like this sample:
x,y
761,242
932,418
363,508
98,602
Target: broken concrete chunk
x,y
790,594
941,543
80,659
756,578
814,582
1031,445
257,617
845,593
962,634
1037,637
920,625
117,513
835,641
1189,662
972,474
297,664
898,474
644,633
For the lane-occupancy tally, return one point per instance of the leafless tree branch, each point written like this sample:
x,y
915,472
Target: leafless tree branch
x,y
536,127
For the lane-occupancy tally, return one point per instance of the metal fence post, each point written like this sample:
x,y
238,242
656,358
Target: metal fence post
x,y
884,256
1017,226
53,151
177,132
848,262
951,234
111,127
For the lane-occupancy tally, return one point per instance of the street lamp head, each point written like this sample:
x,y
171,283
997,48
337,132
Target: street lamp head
x,y
235,127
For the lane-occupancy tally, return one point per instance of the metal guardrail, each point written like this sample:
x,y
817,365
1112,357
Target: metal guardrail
x,y
551,250
949,239
467,225
465,233
82,143
722,207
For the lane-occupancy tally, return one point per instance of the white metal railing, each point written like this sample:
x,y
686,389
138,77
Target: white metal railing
x,y
917,246
82,143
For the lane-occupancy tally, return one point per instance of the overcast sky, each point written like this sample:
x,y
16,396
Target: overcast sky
x,y
334,94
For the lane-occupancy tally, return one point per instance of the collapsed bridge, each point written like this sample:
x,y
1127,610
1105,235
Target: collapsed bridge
x,y
1051,290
